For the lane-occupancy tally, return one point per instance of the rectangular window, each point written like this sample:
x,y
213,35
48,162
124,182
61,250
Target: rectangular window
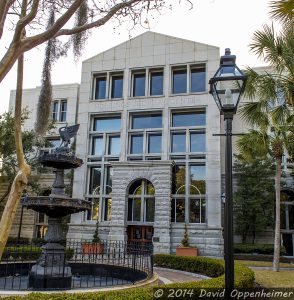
x,y
188,119
179,83
98,146
107,209
114,145
139,80
197,142
156,83
178,142
146,121
198,79
197,179
100,87
117,86
95,209
111,124
55,111
136,210
108,185
179,180
136,144
197,211
95,180
149,209
63,111
178,210
154,143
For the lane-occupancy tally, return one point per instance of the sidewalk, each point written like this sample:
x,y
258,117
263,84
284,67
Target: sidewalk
x,y
169,275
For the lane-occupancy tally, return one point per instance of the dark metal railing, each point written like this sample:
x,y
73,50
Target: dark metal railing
x,y
83,264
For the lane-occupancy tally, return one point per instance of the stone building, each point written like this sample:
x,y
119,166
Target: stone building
x,y
151,160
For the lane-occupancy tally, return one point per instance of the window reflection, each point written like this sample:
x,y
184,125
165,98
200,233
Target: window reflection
x,y
178,142
188,119
117,86
179,81
110,124
100,88
156,83
139,84
136,144
197,142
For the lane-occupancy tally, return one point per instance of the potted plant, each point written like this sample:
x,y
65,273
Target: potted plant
x,y
96,247
184,249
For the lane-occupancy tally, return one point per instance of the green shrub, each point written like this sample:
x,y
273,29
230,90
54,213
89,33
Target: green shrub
x,y
244,278
257,248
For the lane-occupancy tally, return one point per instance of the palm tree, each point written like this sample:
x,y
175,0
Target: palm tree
x,y
283,12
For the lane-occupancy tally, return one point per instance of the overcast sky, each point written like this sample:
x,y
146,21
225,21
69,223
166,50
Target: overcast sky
x,y
222,23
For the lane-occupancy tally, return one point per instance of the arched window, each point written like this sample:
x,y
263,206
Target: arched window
x,y
141,201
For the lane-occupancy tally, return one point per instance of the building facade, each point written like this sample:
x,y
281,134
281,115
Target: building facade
x,y
152,161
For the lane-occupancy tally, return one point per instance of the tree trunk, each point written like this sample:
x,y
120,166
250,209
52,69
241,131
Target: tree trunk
x,y
278,215
21,179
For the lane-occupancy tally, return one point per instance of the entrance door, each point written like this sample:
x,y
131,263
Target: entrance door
x,y
140,234
288,243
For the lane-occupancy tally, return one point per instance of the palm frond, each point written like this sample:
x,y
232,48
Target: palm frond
x,y
282,11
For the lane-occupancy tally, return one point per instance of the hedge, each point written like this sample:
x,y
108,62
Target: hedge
x,y
244,278
28,253
257,248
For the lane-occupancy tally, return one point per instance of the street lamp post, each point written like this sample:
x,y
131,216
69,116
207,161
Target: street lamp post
x,y
226,87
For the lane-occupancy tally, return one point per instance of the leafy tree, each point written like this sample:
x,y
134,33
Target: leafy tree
x,y
254,198
270,116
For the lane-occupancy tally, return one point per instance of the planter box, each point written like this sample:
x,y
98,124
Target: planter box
x,y
88,248
186,251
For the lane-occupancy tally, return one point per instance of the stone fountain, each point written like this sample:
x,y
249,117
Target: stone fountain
x,y
51,270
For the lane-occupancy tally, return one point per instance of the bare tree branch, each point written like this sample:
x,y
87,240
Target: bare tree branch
x,y
4,7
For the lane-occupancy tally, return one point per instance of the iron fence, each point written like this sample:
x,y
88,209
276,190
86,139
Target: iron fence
x,y
77,264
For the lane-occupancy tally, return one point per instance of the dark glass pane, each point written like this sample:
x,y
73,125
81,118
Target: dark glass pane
x,y
146,121
194,211
95,180
149,210
107,209
117,87
179,81
197,180
197,142
283,217
97,148
139,84
137,210
55,111
198,80
156,83
180,210
173,210
109,174
41,218
136,187
130,209
107,124
291,217
179,180
114,145
63,110
178,142
100,88
154,143
203,208
189,119
136,144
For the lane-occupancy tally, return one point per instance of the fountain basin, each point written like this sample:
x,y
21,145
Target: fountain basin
x,y
60,160
55,206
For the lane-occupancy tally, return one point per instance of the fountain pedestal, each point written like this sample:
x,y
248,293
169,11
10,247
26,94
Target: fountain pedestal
x,y
51,270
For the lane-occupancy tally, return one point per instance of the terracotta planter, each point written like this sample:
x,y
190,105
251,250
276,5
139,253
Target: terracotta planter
x,y
89,248
186,251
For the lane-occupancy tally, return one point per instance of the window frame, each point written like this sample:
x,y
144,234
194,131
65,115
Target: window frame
x,y
58,114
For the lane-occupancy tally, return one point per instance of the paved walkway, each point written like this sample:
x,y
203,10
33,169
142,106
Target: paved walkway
x,y
169,275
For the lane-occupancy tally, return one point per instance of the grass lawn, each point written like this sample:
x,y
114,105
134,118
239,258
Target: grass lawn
x,y
253,263
270,279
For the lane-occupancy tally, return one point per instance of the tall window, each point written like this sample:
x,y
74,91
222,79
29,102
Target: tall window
x,y
59,110
99,191
141,202
188,78
106,136
145,135
147,82
108,85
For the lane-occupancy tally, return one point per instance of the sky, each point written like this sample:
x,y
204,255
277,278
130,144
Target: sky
x,y
222,23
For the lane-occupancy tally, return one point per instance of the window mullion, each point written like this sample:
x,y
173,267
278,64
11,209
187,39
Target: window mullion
x,y
107,92
188,79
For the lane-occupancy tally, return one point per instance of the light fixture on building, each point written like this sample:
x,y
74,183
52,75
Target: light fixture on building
x,y
226,87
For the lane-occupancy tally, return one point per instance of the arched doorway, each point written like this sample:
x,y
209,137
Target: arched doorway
x,y
141,211
287,220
